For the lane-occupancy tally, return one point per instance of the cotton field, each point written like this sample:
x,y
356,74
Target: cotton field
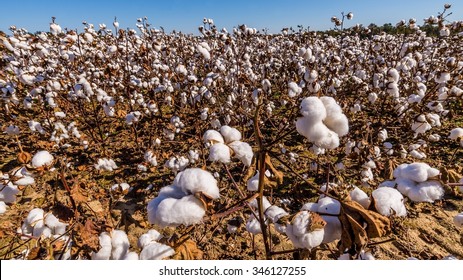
x,y
138,144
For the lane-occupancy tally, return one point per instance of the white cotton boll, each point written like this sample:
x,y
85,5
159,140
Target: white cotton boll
x,y
382,135
51,221
150,158
213,136
3,207
105,252
434,137
456,133
12,130
243,151
332,230
428,191
417,154
265,203
219,152
42,158
404,185
313,109
130,256
194,180
361,197
388,201
204,52
310,206
253,225
338,123
298,233
120,244
442,77
230,134
34,216
105,164
253,183
458,220
8,192
393,75
293,89
25,181
38,228
328,205
372,97
149,237
274,213
331,106
417,171
172,212
156,251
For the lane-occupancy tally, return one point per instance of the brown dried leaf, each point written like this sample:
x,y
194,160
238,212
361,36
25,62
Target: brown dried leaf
x,y
37,253
388,170
377,224
78,194
24,157
205,200
278,175
87,235
450,175
188,250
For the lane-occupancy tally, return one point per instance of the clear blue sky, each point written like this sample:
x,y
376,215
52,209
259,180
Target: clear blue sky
x,y
186,16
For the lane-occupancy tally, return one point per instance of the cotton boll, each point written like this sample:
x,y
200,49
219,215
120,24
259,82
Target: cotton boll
x,y
328,205
38,228
404,185
42,158
34,216
230,134
458,220
338,123
253,183
187,210
428,191
25,181
105,252
156,251
219,152
361,197
243,151
313,109
456,133
3,207
130,256
388,201
333,229
265,203
417,171
298,232
151,236
372,97
253,225
194,180
293,89
310,206
120,244
213,136
323,137
417,154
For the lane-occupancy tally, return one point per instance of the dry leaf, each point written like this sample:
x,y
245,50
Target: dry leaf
x,y
316,222
77,193
278,175
449,176
87,235
377,224
37,253
188,250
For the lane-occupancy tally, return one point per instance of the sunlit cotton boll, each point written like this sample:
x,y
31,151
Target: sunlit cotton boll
x,y
417,171
194,180
242,151
299,234
42,158
313,108
8,192
105,251
230,134
389,201
219,152
172,212
361,197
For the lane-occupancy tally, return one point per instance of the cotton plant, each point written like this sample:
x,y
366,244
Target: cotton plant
x,y
323,121
8,192
272,214
177,163
389,201
181,203
226,144
151,248
114,246
456,134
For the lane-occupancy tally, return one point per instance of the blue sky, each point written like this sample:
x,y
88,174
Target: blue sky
x,y
186,16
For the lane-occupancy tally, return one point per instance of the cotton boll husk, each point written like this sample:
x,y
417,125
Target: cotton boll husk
x,y
458,220
428,191
156,251
120,244
313,109
213,136
361,197
230,134
8,192
195,180
42,158
333,229
131,256
337,123
243,151
388,201
187,210
219,152
328,205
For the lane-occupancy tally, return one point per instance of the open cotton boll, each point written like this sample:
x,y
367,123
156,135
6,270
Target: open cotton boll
x,y
39,228
417,171
172,212
265,203
119,243
213,136
331,106
333,229
337,123
298,232
310,206
2,207
105,251
274,213
360,196
8,192
293,89
130,256
253,183
312,108
54,224
458,220
42,158
151,236
156,251
25,181
219,152
428,191
456,133
230,134
388,201
243,151
328,205
195,180
253,225
34,216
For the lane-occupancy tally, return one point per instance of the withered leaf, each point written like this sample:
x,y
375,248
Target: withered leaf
x,y
388,169
87,235
24,157
188,250
38,253
205,200
77,193
449,175
278,175
377,224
